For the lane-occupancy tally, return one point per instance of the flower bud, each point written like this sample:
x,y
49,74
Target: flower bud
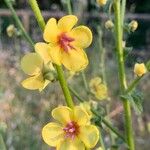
x,y
101,2
109,24
133,25
11,30
140,69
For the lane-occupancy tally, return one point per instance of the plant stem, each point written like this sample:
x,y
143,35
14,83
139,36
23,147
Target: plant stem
x,y
18,22
102,56
85,81
133,84
64,86
37,12
122,77
104,121
69,9
123,11
59,69
76,94
101,139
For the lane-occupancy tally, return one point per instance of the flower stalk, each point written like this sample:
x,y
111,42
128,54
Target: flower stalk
x,y
122,77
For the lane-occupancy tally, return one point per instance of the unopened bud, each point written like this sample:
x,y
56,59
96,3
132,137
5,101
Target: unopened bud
x,y
109,24
101,2
140,69
11,30
133,25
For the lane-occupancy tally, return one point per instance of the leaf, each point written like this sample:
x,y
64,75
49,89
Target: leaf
x,y
148,65
127,51
136,99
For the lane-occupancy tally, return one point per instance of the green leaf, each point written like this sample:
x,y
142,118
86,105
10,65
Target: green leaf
x,y
127,51
136,99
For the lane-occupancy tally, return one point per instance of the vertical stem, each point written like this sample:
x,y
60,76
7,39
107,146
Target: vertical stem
x,y
102,56
37,12
122,77
85,81
123,11
64,86
69,9
62,81
101,140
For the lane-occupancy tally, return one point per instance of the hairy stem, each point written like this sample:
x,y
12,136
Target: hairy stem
x,y
122,77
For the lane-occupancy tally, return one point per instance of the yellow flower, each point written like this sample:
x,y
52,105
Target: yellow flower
x,y
72,132
133,25
86,106
98,88
65,43
33,65
140,69
101,2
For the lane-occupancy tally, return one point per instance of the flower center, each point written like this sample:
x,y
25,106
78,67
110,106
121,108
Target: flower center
x,y
71,130
65,42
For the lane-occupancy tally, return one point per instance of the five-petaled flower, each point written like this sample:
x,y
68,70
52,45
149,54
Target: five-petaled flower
x,y
65,44
72,132
33,65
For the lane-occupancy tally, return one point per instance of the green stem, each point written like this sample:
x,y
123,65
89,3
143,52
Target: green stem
x,y
133,84
69,9
123,11
122,77
64,86
101,139
37,12
102,56
104,121
85,81
18,22
60,73
76,94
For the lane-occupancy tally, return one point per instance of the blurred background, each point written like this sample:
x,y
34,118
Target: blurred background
x,y
23,113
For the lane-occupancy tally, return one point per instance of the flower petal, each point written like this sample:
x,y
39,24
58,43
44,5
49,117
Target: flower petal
x,y
42,49
51,31
70,144
80,116
82,36
52,134
66,23
31,63
63,114
55,54
33,83
89,135
74,59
